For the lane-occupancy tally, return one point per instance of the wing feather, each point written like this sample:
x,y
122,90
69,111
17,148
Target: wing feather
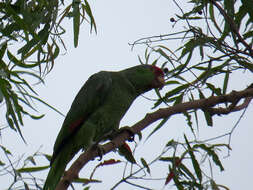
x,y
90,97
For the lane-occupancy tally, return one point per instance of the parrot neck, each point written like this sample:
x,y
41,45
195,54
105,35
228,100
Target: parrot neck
x,y
140,82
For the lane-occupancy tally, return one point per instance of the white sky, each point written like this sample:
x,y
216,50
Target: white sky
x,y
118,23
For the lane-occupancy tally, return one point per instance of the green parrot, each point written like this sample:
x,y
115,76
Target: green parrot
x,y
96,112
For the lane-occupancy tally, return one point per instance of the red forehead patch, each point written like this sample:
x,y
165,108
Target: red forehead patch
x,y
158,71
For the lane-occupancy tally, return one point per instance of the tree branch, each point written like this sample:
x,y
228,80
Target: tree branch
x,y
233,26
150,118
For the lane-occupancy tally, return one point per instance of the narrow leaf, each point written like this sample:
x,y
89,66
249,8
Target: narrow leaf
x,y
208,118
32,169
158,127
145,164
194,161
126,152
225,83
76,21
89,12
211,153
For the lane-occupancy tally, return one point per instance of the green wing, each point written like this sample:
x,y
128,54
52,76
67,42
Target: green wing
x,y
89,98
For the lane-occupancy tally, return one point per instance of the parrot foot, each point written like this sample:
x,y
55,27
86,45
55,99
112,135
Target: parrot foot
x,y
100,150
129,130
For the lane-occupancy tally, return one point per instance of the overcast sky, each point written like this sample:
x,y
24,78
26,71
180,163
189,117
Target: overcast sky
x,y
119,23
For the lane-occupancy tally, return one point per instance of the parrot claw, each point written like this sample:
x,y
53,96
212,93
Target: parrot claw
x,y
129,130
100,151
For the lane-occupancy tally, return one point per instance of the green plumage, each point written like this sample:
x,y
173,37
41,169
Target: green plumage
x,y
97,110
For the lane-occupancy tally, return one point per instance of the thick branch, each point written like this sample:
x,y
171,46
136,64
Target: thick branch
x,y
232,108
150,118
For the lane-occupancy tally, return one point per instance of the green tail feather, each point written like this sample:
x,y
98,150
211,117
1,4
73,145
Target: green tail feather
x,y
57,169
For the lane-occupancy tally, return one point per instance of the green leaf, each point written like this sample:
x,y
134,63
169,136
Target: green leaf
x,y
38,99
169,159
240,15
139,135
190,46
126,152
215,90
2,163
145,164
9,29
18,62
214,186
248,35
158,127
6,151
188,119
32,169
171,82
56,51
248,5
171,143
208,118
147,55
211,153
179,99
36,117
187,171
229,8
171,93
225,83
18,108
30,51
10,113
18,73
2,50
140,60
19,21
246,64
195,112
31,159
89,12
162,53
86,181
76,21
48,157
177,90
185,64
44,33
212,17
26,48
194,161
65,13
1,96
176,180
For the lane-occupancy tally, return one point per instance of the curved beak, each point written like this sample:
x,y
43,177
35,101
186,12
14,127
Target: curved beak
x,y
161,81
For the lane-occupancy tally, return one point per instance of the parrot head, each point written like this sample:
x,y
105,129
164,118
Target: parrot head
x,y
158,81
145,77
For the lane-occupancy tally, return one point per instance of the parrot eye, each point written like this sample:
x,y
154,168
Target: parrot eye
x,y
165,70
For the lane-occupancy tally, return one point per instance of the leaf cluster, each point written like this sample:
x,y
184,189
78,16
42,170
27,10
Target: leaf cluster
x,y
30,41
214,43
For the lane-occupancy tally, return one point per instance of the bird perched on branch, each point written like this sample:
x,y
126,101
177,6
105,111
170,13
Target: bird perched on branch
x,y
96,112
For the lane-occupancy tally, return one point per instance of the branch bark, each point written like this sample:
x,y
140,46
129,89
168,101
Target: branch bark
x,y
203,104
